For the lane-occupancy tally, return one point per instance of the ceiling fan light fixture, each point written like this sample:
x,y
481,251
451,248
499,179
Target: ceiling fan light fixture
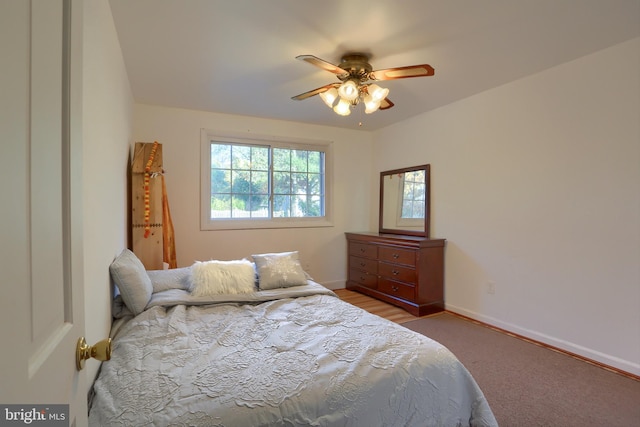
x,y
343,107
355,72
349,90
370,104
377,93
329,96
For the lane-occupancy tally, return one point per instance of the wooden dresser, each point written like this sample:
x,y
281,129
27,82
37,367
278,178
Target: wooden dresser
x,y
407,271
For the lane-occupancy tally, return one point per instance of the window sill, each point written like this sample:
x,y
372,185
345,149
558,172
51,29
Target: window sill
x,y
251,224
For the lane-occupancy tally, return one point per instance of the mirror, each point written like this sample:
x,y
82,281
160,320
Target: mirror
x,y
404,201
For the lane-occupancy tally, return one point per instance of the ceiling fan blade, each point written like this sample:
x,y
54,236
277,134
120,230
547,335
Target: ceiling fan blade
x,y
386,103
422,70
314,92
322,64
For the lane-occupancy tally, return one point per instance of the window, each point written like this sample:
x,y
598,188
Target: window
x,y
411,211
413,194
263,182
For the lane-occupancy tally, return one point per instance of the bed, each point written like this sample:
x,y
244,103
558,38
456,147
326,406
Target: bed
x,y
293,355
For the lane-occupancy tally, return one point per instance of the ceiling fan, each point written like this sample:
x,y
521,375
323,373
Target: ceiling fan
x,y
355,72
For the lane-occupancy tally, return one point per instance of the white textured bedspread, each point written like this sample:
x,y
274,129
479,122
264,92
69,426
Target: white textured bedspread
x,y
305,361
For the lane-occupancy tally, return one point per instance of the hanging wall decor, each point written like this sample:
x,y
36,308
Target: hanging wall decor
x,y
152,239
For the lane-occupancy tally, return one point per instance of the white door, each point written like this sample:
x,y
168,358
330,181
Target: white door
x,y
41,296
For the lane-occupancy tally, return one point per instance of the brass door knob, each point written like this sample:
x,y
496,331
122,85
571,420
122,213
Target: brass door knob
x,y
99,351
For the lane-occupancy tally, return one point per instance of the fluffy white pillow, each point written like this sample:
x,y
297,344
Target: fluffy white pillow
x,y
222,277
279,270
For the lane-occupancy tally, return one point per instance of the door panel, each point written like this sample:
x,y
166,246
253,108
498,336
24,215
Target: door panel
x,y
42,313
46,172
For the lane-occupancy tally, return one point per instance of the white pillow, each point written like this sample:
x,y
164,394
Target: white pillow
x,y
279,270
222,277
132,280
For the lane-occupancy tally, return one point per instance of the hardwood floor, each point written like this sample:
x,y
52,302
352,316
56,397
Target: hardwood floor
x,y
372,305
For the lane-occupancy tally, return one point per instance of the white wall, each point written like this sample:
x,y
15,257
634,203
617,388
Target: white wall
x,y
536,187
107,111
322,250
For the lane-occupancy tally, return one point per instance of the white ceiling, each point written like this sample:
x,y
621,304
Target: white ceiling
x,y
238,56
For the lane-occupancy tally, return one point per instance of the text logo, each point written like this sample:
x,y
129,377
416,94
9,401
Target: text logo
x,y
36,415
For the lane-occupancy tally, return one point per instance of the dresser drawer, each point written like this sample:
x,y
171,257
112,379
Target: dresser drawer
x,y
397,256
363,250
397,289
397,272
362,278
364,264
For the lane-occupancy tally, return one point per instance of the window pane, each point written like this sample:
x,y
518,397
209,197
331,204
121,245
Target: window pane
x,y
221,156
314,184
281,159
259,206
299,161
413,194
299,183
220,181
238,207
408,191
281,183
299,208
221,206
407,206
418,192
315,161
240,182
259,158
315,206
281,206
241,157
260,182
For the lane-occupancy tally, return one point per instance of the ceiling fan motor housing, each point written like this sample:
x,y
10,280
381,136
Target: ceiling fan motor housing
x,y
357,65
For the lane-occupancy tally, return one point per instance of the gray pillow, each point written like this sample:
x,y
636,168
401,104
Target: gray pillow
x,y
279,270
174,278
132,280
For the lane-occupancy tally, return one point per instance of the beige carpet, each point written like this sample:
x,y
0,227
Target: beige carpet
x,y
528,385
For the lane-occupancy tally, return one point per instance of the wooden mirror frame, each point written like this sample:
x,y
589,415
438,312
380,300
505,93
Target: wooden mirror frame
x,y
427,213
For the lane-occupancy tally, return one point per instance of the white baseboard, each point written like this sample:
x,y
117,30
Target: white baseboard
x,y
587,353
333,285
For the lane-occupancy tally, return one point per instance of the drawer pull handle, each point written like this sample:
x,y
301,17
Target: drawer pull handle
x,y
362,264
362,250
396,256
362,278
395,272
395,288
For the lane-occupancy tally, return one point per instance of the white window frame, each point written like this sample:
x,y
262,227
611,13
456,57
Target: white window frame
x,y
209,136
